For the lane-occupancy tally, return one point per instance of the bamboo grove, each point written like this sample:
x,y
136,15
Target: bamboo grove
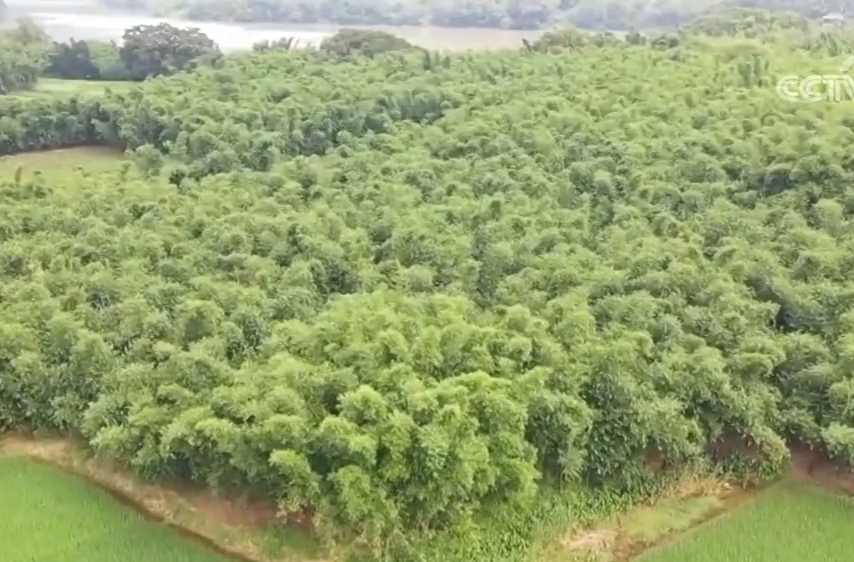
x,y
393,292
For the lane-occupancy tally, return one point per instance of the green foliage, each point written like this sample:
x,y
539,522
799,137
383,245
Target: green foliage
x,y
87,60
153,50
73,60
367,43
26,52
47,122
399,292
23,54
749,23
564,38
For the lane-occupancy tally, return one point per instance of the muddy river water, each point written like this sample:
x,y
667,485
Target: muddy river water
x,y
84,19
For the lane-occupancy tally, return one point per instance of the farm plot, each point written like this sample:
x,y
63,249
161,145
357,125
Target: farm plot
x,y
49,516
788,523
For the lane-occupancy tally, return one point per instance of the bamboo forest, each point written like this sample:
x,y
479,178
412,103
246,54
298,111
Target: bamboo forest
x,y
476,306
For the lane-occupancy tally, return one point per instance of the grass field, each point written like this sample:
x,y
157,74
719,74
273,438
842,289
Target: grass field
x,y
49,516
52,86
788,523
58,164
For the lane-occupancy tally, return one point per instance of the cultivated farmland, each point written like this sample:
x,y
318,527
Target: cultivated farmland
x,y
49,516
788,523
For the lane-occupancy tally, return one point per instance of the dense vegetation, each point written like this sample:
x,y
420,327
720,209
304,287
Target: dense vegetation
x,y
24,52
592,14
27,52
394,291
86,60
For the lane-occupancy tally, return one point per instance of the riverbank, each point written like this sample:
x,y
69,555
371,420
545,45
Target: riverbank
x,y
91,21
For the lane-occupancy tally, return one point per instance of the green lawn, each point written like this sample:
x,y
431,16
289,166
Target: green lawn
x,y
59,164
49,516
53,86
788,523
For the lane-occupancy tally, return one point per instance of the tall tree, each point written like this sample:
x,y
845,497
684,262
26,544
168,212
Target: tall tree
x,y
24,51
152,50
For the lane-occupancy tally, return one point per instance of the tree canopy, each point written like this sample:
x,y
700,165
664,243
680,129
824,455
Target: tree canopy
x,y
27,52
24,53
152,50
395,291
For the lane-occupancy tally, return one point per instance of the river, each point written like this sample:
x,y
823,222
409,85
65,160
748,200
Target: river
x,y
83,19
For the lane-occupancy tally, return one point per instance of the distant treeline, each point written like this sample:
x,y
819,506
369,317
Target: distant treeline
x,y
27,52
507,14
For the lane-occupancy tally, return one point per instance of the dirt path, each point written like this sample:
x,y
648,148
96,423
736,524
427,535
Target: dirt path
x,y
224,525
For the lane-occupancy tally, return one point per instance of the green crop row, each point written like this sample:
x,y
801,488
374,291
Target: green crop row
x,y
788,523
49,516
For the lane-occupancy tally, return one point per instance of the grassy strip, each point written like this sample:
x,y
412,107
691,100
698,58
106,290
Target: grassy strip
x,y
790,522
50,516
56,165
57,87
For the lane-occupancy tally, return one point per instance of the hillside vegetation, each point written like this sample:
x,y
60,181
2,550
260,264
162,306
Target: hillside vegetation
x,y
394,292
592,14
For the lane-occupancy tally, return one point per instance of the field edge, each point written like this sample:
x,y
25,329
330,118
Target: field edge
x,y
618,539
680,510
231,527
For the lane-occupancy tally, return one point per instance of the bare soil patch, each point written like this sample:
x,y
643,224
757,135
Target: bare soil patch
x,y
222,524
814,466
683,506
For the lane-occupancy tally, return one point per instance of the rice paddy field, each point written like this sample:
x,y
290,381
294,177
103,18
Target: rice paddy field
x,y
790,522
50,516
